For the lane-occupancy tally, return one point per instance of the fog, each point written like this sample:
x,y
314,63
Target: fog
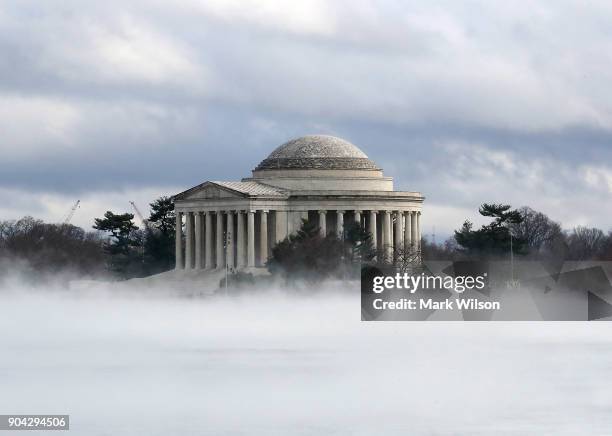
x,y
275,364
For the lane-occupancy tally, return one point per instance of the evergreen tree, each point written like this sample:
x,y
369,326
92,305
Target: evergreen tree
x,y
492,239
123,256
162,215
360,242
307,255
159,242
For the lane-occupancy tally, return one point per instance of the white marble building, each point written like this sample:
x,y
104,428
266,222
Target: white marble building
x,y
322,178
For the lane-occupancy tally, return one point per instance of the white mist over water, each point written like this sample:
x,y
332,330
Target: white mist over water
x,y
276,365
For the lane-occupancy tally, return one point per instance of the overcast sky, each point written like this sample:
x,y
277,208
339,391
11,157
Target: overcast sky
x,y
467,102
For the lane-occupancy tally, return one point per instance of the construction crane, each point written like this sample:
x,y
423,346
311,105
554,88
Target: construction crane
x,y
145,223
140,217
71,212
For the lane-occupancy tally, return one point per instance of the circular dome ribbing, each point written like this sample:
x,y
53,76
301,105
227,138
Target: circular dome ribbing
x,y
317,152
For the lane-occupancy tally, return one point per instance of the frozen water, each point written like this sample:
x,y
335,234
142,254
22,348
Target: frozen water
x,y
278,365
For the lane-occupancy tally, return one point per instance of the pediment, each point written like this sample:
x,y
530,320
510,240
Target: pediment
x,y
211,191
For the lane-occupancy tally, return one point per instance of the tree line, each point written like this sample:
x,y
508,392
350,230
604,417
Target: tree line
x,y
117,247
528,234
35,250
533,236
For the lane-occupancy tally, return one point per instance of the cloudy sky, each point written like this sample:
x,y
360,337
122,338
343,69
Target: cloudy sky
x,y
467,102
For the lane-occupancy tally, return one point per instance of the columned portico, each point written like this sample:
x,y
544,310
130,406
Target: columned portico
x,y
241,244
234,242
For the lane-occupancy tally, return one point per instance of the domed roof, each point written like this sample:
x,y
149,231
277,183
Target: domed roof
x,y
317,152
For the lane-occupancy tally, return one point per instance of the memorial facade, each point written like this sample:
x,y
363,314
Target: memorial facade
x,y
316,177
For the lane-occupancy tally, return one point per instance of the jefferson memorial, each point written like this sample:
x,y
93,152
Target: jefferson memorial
x,y
315,177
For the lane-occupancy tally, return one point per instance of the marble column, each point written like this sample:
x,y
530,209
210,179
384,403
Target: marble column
x,y
372,229
418,229
189,240
413,226
263,233
241,261
358,217
340,224
387,234
323,222
198,240
203,240
220,234
251,238
407,235
208,241
397,234
229,239
179,241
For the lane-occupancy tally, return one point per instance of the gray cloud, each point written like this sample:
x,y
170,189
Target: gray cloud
x,y
467,102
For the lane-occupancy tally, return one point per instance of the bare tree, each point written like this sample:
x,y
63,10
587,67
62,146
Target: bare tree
x,y
403,259
585,243
43,248
537,230
408,260
606,252
448,250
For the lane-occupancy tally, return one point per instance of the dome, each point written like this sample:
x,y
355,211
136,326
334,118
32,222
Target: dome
x,y
317,152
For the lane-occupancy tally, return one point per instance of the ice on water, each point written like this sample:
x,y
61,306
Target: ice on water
x,y
277,365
